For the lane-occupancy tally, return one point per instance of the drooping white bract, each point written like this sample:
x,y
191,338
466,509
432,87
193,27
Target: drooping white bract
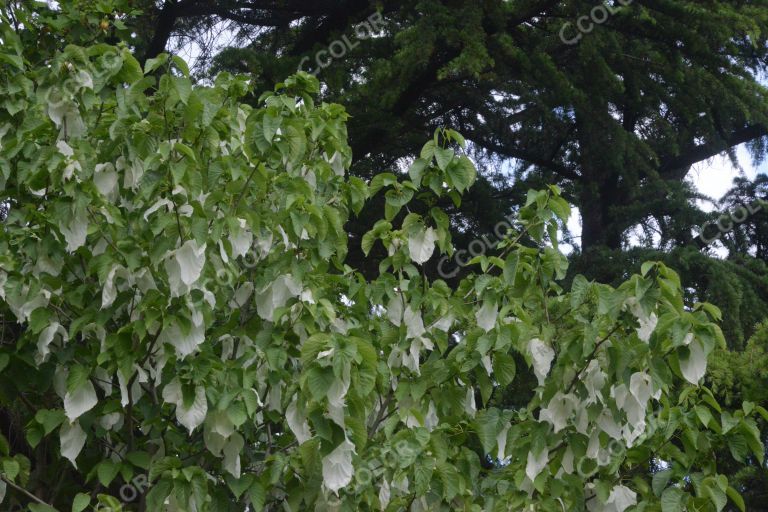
x,y
185,343
647,326
241,239
64,148
640,385
110,289
470,406
536,463
384,494
184,266
105,179
75,230
276,295
80,400
66,115
444,322
486,316
542,355
46,338
559,410
111,421
232,450
594,380
337,467
23,302
157,205
336,393
395,310
608,424
72,441
421,245
297,422
620,499
647,322
413,323
136,390
337,163
694,367
194,415
501,443
216,430
431,420
132,172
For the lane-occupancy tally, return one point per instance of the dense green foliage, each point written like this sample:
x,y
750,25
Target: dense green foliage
x,y
176,261
211,295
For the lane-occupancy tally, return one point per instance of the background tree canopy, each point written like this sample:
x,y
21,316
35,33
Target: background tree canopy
x,y
192,241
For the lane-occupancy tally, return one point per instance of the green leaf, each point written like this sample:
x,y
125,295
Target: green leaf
x,y
416,170
80,502
451,480
11,468
428,151
78,376
504,368
154,63
39,507
106,471
239,485
738,447
237,414
716,495
443,156
672,499
320,381
461,173
736,498
704,415
162,465
366,244
271,125
257,495
49,419
185,150
560,207
487,426
181,65
139,459
33,433
14,60
660,480
646,267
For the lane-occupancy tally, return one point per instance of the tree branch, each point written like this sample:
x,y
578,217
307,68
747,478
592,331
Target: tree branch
x,y
676,167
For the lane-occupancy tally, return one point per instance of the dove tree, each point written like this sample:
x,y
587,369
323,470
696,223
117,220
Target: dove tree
x,y
177,311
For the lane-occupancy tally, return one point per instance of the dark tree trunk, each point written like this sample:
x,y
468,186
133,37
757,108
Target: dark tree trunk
x,y
166,20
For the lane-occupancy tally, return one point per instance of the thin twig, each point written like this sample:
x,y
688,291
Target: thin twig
x,y
591,356
24,491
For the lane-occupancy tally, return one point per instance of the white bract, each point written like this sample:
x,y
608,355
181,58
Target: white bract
x,y
422,244
337,467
